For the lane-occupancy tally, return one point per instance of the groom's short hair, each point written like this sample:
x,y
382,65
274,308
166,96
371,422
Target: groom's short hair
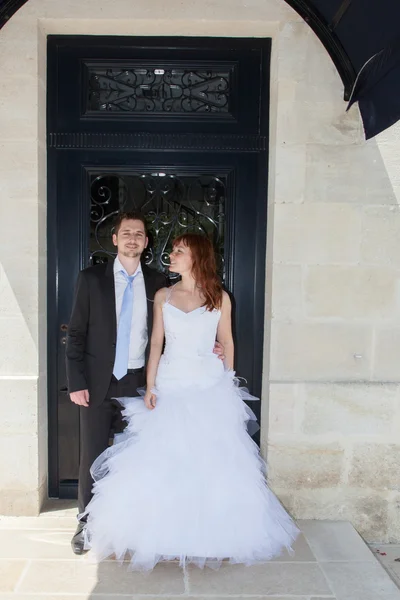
x,y
132,215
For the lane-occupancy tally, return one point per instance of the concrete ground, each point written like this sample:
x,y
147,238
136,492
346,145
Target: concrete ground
x,y
389,556
330,561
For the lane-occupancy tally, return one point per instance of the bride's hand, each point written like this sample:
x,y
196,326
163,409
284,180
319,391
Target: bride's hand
x,y
150,399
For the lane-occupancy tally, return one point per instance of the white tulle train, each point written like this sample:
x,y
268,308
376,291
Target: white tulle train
x,y
186,481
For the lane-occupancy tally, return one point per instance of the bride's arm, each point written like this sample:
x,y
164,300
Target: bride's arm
x,y
156,346
224,332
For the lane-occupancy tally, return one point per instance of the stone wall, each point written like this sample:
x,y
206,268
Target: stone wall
x,y
334,404
330,391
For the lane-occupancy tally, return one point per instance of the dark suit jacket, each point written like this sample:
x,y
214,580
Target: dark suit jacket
x,y
92,330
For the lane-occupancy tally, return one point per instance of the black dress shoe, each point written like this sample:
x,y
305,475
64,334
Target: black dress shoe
x,y
78,541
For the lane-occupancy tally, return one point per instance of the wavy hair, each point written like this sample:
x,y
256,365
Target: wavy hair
x,y
204,267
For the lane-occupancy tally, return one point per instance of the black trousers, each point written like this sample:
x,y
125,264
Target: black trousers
x,y
97,425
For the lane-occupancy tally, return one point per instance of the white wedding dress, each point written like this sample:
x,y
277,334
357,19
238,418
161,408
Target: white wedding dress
x,y
185,480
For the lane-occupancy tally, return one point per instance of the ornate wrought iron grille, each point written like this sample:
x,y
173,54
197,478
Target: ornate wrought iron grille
x,y
172,205
159,90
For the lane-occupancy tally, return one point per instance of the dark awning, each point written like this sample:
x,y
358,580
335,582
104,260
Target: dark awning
x,y
362,38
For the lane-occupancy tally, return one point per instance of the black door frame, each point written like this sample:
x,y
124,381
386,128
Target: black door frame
x,y
231,137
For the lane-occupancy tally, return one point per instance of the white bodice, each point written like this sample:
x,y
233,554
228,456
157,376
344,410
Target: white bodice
x,y
189,344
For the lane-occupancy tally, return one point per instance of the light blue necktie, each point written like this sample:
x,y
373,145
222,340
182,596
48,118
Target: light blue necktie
x,y
124,330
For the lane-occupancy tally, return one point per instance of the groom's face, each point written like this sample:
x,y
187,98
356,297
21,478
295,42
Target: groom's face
x,y
131,238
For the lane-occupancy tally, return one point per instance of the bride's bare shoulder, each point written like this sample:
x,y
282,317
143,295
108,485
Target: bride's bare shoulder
x,y
161,295
226,301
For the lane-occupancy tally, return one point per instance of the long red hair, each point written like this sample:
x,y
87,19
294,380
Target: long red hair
x,y
204,267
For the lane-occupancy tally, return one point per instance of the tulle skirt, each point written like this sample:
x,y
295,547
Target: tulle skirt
x,y
186,481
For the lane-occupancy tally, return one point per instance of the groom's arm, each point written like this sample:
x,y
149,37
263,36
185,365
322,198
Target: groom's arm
x,y
76,336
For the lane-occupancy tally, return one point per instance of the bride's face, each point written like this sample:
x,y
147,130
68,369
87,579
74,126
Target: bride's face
x,y
180,259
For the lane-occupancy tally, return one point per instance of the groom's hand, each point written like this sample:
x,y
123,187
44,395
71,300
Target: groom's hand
x,y
81,398
219,351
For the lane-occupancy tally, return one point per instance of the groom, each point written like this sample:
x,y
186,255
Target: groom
x,y
107,346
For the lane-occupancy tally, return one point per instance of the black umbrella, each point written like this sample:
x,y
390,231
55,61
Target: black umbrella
x,y
377,90
362,38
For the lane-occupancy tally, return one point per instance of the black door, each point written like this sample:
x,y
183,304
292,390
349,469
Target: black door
x,y
174,127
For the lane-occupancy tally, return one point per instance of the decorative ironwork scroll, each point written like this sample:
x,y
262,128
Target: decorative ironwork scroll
x,y
152,90
171,204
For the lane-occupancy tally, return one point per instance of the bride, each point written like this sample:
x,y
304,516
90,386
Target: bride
x,y
185,480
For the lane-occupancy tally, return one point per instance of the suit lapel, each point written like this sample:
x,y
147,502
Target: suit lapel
x,y
108,285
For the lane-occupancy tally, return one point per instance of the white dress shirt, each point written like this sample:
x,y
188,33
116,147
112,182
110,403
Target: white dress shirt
x,y
139,335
